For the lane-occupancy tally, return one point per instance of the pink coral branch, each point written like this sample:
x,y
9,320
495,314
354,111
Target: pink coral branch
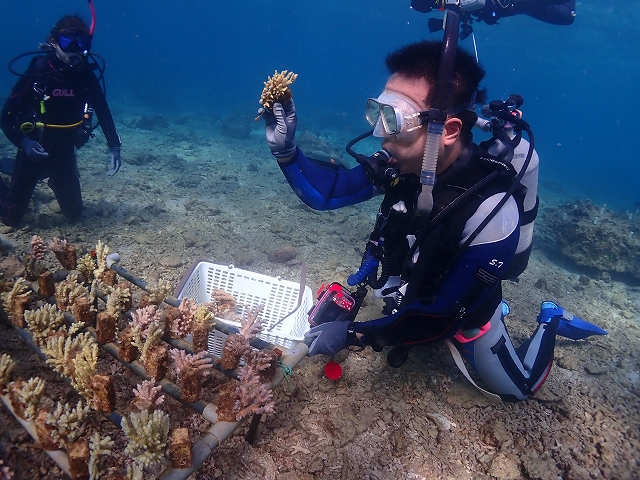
x,y
253,396
143,317
253,324
201,361
37,248
147,395
181,326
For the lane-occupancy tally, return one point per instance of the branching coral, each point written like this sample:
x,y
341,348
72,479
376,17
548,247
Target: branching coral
x,y
158,292
237,346
147,396
143,317
202,325
43,321
276,88
68,291
37,250
66,422
135,471
30,396
180,325
99,446
221,302
64,252
76,358
117,301
102,251
252,324
86,363
147,434
20,288
253,394
86,265
204,316
154,337
6,366
200,361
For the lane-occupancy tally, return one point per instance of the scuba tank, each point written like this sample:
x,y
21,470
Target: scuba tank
x,y
508,145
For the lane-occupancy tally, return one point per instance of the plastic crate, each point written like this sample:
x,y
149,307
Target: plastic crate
x,y
279,298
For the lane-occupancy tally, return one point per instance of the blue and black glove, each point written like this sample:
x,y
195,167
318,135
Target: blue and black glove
x,y
33,150
281,128
116,161
328,338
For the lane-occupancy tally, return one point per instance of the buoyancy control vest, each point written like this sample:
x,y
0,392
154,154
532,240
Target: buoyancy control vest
x,y
528,206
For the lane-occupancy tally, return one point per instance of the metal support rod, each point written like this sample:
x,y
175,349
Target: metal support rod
x,y
221,431
253,428
59,456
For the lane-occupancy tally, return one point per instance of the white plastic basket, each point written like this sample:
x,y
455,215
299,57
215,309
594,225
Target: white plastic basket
x,y
279,298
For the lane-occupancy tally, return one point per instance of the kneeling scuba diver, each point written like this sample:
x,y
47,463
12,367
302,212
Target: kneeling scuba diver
x,y
408,321
67,51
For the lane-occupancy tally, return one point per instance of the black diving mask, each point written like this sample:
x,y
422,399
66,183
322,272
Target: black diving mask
x,y
74,42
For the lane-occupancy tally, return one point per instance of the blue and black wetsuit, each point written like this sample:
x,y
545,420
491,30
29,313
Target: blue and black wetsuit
x,y
433,309
447,290
56,97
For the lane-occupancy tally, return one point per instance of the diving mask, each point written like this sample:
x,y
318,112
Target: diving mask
x,y
392,113
74,42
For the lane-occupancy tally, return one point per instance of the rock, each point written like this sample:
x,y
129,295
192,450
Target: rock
x,y
283,255
596,369
505,467
172,261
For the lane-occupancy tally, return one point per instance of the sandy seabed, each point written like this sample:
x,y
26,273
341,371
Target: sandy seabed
x,y
187,192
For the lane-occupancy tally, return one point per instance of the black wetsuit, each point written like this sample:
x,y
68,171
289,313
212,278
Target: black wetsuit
x,y
57,97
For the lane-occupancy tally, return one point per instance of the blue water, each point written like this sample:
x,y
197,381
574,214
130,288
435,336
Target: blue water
x,y
580,83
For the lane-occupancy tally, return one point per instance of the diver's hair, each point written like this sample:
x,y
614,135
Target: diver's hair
x,y
70,22
422,60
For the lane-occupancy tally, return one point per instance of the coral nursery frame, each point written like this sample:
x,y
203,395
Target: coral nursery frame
x,y
219,430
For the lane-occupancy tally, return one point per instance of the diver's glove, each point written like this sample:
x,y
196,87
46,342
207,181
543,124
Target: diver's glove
x,y
116,161
281,128
33,149
328,338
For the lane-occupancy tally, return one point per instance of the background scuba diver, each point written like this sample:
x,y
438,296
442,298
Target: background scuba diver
x,y
446,291
558,12
48,116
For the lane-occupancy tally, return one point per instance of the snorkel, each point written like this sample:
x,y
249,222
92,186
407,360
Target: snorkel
x,y
438,113
93,17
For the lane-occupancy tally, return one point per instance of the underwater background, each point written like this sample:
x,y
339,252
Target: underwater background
x,y
580,83
199,182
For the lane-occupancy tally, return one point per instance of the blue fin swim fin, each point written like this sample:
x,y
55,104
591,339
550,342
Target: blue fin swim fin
x,y
569,325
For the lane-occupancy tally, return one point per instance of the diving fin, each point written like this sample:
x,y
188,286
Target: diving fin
x,y
569,326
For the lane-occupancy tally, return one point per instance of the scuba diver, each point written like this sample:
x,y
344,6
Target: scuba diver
x,y
557,12
447,230
49,115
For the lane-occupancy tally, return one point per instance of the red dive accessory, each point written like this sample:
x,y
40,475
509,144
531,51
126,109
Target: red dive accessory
x,y
335,303
93,17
